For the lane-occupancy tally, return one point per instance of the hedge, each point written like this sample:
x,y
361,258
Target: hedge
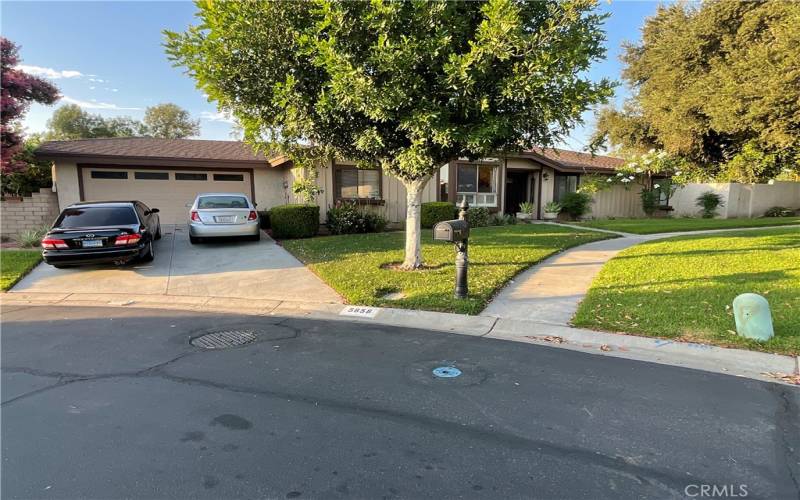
x,y
294,221
263,217
437,211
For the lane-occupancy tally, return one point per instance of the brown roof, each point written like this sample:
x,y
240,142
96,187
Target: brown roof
x,y
150,148
574,161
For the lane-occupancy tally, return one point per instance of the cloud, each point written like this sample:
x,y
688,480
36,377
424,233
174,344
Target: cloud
x,y
219,116
50,72
93,104
97,80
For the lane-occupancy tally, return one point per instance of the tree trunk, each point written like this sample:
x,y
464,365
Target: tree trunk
x,y
413,257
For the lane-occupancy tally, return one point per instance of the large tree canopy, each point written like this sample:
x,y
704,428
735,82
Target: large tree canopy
x,y
169,121
19,90
712,81
408,85
165,121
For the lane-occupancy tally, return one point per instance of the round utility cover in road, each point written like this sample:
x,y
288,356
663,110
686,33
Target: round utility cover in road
x,y
446,371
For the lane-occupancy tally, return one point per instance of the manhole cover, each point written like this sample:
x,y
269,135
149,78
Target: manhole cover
x,y
446,371
224,338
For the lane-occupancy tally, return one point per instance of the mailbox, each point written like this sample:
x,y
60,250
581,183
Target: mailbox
x,y
451,230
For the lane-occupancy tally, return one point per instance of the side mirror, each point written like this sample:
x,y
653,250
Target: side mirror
x,y
154,210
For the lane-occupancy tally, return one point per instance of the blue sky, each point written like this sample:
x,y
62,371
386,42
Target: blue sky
x,y
107,56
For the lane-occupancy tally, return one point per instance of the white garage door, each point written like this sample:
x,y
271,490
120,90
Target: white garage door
x,y
168,190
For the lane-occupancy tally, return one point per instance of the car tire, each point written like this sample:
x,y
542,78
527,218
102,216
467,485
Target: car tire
x,y
158,232
151,253
194,240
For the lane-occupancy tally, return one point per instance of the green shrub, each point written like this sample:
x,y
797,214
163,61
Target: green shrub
x,y
263,219
709,201
348,218
437,211
502,220
576,205
478,216
294,221
779,212
650,199
31,238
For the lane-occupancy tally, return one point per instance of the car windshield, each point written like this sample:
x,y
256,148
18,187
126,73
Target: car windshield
x,y
97,217
222,202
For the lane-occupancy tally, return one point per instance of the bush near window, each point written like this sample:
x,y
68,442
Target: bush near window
x,y
294,221
437,211
347,218
263,219
576,205
650,198
478,216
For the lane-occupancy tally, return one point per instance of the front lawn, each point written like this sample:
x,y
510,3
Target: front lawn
x,y
14,264
355,265
683,287
669,225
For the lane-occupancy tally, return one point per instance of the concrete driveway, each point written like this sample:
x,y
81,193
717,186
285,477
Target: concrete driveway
x,y
226,269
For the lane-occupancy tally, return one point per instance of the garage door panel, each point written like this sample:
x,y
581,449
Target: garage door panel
x,y
168,190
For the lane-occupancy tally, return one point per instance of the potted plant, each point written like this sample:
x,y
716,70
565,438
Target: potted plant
x,y
551,210
525,211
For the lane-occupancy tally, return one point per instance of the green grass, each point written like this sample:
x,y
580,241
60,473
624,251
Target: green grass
x,y
669,225
14,264
683,287
352,264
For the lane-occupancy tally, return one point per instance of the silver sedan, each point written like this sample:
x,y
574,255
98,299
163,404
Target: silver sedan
x,y
215,215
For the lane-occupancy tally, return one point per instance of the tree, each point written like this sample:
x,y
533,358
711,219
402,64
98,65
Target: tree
x,y
35,175
71,122
709,79
19,90
403,85
169,121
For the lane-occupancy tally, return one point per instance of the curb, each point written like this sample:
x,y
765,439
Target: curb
x,y
738,362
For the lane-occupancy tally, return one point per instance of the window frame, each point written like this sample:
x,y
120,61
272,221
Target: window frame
x,y
557,175
475,195
147,175
109,175
203,174
362,201
239,177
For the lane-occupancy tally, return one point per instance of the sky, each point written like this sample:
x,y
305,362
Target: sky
x,y
107,57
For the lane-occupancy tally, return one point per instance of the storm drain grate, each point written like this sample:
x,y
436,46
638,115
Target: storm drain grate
x,y
223,339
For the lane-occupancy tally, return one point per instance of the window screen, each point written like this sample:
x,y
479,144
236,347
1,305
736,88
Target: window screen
x,y
358,183
109,174
154,176
229,177
565,184
190,177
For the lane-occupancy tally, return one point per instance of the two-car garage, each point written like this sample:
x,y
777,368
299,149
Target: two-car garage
x,y
168,189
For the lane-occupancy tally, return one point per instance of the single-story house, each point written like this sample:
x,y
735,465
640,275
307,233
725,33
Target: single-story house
x,y
168,173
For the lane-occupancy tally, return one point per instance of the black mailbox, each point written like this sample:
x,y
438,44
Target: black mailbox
x,y
451,230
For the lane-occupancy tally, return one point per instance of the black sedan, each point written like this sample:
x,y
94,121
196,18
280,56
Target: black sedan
x,y
102,232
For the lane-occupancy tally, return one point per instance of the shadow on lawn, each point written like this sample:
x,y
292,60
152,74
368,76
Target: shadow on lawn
x,y
728,279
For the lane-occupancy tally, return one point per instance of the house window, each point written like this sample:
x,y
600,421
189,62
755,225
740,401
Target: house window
x,y
444,176
179,176
152,176
358,183
106,174
477,184
229,177
663,191
565,184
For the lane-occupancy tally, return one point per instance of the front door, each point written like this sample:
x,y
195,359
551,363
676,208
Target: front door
x,y
517,190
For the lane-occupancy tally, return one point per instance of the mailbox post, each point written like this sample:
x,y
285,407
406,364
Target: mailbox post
x,y
457,232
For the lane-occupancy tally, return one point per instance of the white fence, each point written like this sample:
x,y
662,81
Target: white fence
x,y
741,200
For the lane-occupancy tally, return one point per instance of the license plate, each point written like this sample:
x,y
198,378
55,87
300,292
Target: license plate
x,y
92,243
225,220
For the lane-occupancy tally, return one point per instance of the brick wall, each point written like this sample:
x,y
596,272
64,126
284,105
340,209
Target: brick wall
x,y
32,212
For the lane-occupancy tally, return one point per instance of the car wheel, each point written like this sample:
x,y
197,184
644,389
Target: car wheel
x,y
194,240
151,253
158,232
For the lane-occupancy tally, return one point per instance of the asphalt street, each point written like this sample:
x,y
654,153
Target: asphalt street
x,y
116,403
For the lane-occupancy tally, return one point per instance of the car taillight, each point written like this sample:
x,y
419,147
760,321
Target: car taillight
x,y
195,216
128,239
52,243
253,215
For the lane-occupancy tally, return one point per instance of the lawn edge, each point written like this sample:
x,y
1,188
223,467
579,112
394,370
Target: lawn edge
x,y
24,273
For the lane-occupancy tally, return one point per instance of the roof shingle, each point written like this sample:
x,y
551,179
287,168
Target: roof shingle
x,y
576,160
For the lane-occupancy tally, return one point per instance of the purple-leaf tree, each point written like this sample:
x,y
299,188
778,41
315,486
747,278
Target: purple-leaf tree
x,y
19,90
